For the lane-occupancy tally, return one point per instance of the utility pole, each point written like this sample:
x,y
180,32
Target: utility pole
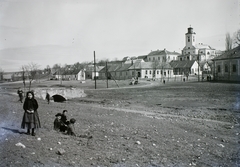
x,y
107,74
198,66
95,71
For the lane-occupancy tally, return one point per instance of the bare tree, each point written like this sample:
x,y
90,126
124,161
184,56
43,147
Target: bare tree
x,y
32,70
228,42
47,70
24,74
1,74
236,38
56,69
102,62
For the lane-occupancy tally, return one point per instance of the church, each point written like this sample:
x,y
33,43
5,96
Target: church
x,y
194,50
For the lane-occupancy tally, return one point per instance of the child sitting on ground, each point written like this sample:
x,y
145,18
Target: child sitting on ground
x,y
64,121
57,122
70,127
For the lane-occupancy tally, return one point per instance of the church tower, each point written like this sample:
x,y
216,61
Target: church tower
x,y
190,38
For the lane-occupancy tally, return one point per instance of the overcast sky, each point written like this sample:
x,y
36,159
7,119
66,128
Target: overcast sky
x,y
48,32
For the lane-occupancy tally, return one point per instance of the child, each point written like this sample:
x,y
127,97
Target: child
x,y
30,118
20,94
64,117
48,97
64,124
70,127
57,122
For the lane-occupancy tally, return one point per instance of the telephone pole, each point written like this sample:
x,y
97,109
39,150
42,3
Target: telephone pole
x,y
95,71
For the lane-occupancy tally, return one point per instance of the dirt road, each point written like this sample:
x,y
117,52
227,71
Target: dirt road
x,y
190,124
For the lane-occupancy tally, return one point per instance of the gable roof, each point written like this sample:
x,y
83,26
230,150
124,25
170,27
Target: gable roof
x,y
136,65
182,64
142,57
124,67
162,52
231,54
91,68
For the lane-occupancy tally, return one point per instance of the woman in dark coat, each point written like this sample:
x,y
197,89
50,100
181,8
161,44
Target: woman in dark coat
x,y
30,118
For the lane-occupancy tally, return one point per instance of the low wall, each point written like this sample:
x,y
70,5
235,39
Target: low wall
x,y
67,93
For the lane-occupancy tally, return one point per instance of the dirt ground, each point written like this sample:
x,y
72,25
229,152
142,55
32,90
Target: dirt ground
x,y
173,124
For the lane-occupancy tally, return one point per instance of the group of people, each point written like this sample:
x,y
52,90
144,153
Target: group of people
x,y
31,120
62,124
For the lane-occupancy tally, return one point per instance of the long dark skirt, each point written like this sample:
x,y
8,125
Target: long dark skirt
x,y
31,120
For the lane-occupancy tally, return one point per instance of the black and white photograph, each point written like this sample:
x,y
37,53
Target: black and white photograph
x,y
119,83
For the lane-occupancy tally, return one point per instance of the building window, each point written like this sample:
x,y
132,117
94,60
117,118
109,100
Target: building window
x,y
120,73
188,57
188,39
188,52
150,72
188,47
234,68
219,68
146,71
157,72
149,58
158,58
193,39
226,68
180,59
161,72
168,72
153,58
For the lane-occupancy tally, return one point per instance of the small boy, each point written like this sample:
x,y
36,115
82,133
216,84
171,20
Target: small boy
x,y
20,94
70,128
57,122
48,97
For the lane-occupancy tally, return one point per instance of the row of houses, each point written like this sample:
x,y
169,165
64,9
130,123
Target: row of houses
x,y
225,67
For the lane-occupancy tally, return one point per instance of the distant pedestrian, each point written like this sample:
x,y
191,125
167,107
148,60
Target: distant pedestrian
x,y
163,81
48,97
71,128
20,94
30,118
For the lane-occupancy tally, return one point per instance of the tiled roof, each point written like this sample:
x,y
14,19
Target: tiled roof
x,y
182,64
124,67
162,52
114,67
234,53
164,66
142,57
91,68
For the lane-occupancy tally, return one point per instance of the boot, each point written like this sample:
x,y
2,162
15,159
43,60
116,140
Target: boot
x,y
28,132
33,134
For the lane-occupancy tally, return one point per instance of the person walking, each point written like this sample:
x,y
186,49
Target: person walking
x,y
30,119
20,94
48,97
